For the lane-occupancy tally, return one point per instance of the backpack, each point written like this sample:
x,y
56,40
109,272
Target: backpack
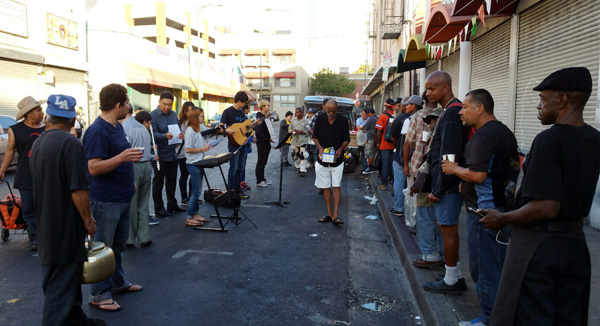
x,y
388,129
513,182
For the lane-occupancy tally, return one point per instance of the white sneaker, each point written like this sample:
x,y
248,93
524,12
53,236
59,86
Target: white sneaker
x,y
269,182
262,184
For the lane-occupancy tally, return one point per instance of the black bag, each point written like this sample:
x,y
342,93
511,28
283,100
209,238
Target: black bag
x,y
349,165
388,129
222,198
377,160
423,178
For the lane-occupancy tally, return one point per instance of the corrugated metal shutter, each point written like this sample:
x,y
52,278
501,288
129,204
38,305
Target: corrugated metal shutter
x,y
451,65
68,82
17,80
433,67
489,67
554,34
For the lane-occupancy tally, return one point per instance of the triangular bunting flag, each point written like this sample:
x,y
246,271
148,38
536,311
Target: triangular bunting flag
x,y
449,46
455,41
473,30
488,4
481,12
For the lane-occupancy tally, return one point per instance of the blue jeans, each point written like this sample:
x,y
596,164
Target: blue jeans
x,y
28,213
486,258
387,156
429,237
236,166
196,178
399,184
363,158
447,209
113,229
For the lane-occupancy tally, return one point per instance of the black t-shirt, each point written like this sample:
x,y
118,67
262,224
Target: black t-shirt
x,y
490,150
331,135
261,130
24,138
450,138
58,167
563,165
231,116
396,132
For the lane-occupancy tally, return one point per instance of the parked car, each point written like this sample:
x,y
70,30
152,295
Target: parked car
x,y
214,121
274,116
6,121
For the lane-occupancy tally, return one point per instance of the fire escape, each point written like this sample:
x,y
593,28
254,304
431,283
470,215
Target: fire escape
x,y
391,25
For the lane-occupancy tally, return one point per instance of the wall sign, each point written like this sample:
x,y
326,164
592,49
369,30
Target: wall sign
x,y
13,18
62,32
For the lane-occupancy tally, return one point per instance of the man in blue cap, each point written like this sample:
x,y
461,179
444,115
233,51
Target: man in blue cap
x,y
62,205
547,271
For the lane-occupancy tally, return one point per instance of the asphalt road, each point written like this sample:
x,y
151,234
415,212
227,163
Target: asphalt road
x,y
290,270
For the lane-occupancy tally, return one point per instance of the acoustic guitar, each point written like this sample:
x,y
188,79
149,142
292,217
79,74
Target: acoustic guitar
x,y
244,129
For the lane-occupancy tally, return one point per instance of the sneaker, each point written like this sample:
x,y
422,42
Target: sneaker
x,y
185,202
441,287
33,246
461,281
383,187
369,171
262,184
397,213
242,195
153,221
474,322
245,186
268,182
302,174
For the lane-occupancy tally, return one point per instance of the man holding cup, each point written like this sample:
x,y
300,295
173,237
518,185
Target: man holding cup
x,y
450,137
491,157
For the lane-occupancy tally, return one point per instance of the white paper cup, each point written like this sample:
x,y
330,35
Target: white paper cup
x,y
391,120
426,135
450,157
141,149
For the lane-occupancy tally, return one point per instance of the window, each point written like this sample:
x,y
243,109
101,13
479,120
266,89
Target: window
x,y
285,82
288,105
256,83
284,59
285,98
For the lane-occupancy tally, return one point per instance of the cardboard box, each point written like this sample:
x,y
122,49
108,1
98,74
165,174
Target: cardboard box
x,y
328,157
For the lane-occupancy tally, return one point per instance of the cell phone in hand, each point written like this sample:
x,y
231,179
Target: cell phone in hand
x,y
474,211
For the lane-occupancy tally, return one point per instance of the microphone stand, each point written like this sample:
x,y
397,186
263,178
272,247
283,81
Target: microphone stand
x,y
281,202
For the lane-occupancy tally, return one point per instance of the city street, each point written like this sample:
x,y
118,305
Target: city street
x,y
290,270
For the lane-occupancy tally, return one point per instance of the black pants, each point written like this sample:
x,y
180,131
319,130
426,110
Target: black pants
x,y
167,176
184,179
62,290
264,147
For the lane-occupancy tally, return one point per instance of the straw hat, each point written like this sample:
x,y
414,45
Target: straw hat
x,y
27,104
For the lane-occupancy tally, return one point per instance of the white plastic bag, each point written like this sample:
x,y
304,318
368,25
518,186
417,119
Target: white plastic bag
x,y
410,208
361,138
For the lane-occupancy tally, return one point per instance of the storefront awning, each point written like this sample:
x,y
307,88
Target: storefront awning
x,y
415,51
230,52
210,88
376,80
257,52
286,74
136,74
442,26
257,75
407,66
227,91
251,96
497,7
284,52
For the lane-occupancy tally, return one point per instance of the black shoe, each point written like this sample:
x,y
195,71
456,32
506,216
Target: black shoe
x,y
162,213
146,244
92,322
185,201
130,245
200,201
442,287
302,174
461,281
33,246
397,213
177,209
153,221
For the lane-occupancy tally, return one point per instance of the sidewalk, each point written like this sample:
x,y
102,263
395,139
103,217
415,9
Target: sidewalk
x,y
440,309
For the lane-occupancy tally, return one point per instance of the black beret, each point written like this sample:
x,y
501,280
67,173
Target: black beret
x,y
575,79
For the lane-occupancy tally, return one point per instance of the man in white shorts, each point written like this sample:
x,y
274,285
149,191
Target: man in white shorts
x,y
330,130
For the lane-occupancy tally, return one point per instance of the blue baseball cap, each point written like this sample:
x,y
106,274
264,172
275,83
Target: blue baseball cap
x,y
311,110
61,106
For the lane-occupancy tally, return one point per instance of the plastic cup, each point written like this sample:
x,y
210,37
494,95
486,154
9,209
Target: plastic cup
x,y
426,135
141,149
450,157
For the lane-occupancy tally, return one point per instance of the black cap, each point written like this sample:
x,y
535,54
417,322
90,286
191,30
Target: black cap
x,y
398,100
371,110
575,79
389,102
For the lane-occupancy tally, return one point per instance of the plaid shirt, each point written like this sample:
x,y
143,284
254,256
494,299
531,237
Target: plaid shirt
x,y
415,140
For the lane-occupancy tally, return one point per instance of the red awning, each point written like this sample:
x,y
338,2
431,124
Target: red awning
x,y
470,7
441,26
251,96
285,75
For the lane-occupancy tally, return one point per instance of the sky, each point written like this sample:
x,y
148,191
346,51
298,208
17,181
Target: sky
x,y
337,31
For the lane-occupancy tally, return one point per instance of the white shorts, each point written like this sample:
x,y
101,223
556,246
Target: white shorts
x,y
327,177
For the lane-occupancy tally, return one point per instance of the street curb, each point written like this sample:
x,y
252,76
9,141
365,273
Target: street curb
x,y
428,315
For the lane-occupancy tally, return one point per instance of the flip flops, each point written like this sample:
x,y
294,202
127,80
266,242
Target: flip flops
x,y
193,222
107,305
325,218
337,221
201,219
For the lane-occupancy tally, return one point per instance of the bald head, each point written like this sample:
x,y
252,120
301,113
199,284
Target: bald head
x,y
439,88
331,109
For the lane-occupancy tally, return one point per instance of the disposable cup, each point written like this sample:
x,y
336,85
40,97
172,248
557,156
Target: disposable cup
x,y
426,135
450,157
141,149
